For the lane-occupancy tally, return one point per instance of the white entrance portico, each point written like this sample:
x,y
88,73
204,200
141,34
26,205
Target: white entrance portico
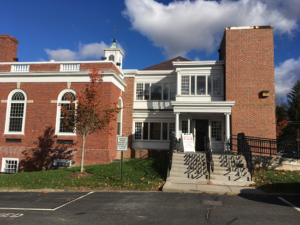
x,y
200,118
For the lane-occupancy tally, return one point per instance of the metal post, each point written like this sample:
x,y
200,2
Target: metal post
x,y
298,141
121,166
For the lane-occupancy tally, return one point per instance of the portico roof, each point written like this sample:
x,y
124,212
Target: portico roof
x,y
202,107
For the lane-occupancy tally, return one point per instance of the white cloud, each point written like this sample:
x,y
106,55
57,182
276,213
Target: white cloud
x,y
186,25
286,74
85,51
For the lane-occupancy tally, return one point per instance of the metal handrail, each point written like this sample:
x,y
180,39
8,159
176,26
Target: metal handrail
x,y
172,147
208,152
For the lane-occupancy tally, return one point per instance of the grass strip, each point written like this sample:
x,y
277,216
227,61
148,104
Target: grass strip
x,y
138,174
273,181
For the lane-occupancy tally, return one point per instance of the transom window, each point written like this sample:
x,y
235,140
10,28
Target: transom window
x,y
201,85
153,130
15,116
155,91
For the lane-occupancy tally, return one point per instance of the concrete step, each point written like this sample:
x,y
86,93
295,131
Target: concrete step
x,y
183,170
181,180
229,169
226,157
189,175
231,183
227,165
228,173
229,178
182,166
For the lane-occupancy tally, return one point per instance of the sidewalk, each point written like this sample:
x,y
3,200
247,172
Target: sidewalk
x,y
213,189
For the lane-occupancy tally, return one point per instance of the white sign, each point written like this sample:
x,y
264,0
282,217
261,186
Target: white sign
x,y
188,143
122,143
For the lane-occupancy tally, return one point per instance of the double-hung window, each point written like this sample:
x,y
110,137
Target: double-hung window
x,y
16,110
201,85
119,120
155,91
153,131
64,101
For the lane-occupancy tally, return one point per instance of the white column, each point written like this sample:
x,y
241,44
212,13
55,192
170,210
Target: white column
x,y
227,131
177,125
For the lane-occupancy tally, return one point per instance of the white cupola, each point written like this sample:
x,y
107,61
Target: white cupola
x,y
114,54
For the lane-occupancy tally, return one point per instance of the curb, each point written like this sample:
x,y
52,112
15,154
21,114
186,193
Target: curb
x,y
128,191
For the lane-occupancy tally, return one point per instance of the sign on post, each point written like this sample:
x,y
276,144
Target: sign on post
x,y
122,143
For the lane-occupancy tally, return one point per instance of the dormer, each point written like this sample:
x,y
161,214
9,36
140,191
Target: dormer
x,y
114,54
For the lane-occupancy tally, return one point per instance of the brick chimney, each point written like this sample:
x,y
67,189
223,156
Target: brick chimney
x,y
8,48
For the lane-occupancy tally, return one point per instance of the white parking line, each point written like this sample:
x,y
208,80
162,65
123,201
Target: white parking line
x,y
37,209
295,207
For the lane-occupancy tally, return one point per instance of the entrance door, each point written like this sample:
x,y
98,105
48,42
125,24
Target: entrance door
x,y
201,131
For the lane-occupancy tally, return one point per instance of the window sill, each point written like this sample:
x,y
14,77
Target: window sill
x,y
14,134
66,134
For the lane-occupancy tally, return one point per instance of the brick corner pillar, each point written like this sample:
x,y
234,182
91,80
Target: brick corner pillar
x,y
8,48
128,114
248,53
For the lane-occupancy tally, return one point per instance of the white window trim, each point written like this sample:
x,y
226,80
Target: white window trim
x,y
8,108
206,85
57,125
121,125
150,87
13,159
161,131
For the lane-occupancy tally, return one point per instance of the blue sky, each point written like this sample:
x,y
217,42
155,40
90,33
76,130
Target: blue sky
x,y
149,31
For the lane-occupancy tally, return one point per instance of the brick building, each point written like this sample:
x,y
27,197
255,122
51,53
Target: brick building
x,y
235,94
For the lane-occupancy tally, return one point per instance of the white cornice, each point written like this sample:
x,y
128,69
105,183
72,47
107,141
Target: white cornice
x,y
60,62
197,63
43,77
203,107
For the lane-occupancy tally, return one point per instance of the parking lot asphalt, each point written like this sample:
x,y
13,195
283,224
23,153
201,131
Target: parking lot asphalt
x,y
144,208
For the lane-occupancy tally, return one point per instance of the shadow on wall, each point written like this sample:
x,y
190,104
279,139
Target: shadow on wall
x,y
44,154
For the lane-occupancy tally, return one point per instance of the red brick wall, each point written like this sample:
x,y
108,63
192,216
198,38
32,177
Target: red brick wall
x,y
249,69
8,48
44,67
41,115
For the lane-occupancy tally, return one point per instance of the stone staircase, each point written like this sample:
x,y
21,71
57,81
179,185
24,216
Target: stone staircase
x,y
190,168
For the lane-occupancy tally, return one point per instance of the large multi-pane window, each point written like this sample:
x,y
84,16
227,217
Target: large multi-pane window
x,y
16,106
64,101
201,85
155,91
216,130
153,130
10,165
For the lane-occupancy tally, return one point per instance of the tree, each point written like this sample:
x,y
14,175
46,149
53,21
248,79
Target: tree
x,y
280,126
293,102
87,112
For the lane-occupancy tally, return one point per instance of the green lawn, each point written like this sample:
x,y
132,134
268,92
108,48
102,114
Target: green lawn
x,y
277,181
138,174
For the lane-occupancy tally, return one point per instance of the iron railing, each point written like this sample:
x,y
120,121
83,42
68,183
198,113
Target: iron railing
x,y
243,148
268,147
208,152
172,147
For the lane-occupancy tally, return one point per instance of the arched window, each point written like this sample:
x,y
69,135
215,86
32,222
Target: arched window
x,y
16,110
111,58
63,100
120,115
